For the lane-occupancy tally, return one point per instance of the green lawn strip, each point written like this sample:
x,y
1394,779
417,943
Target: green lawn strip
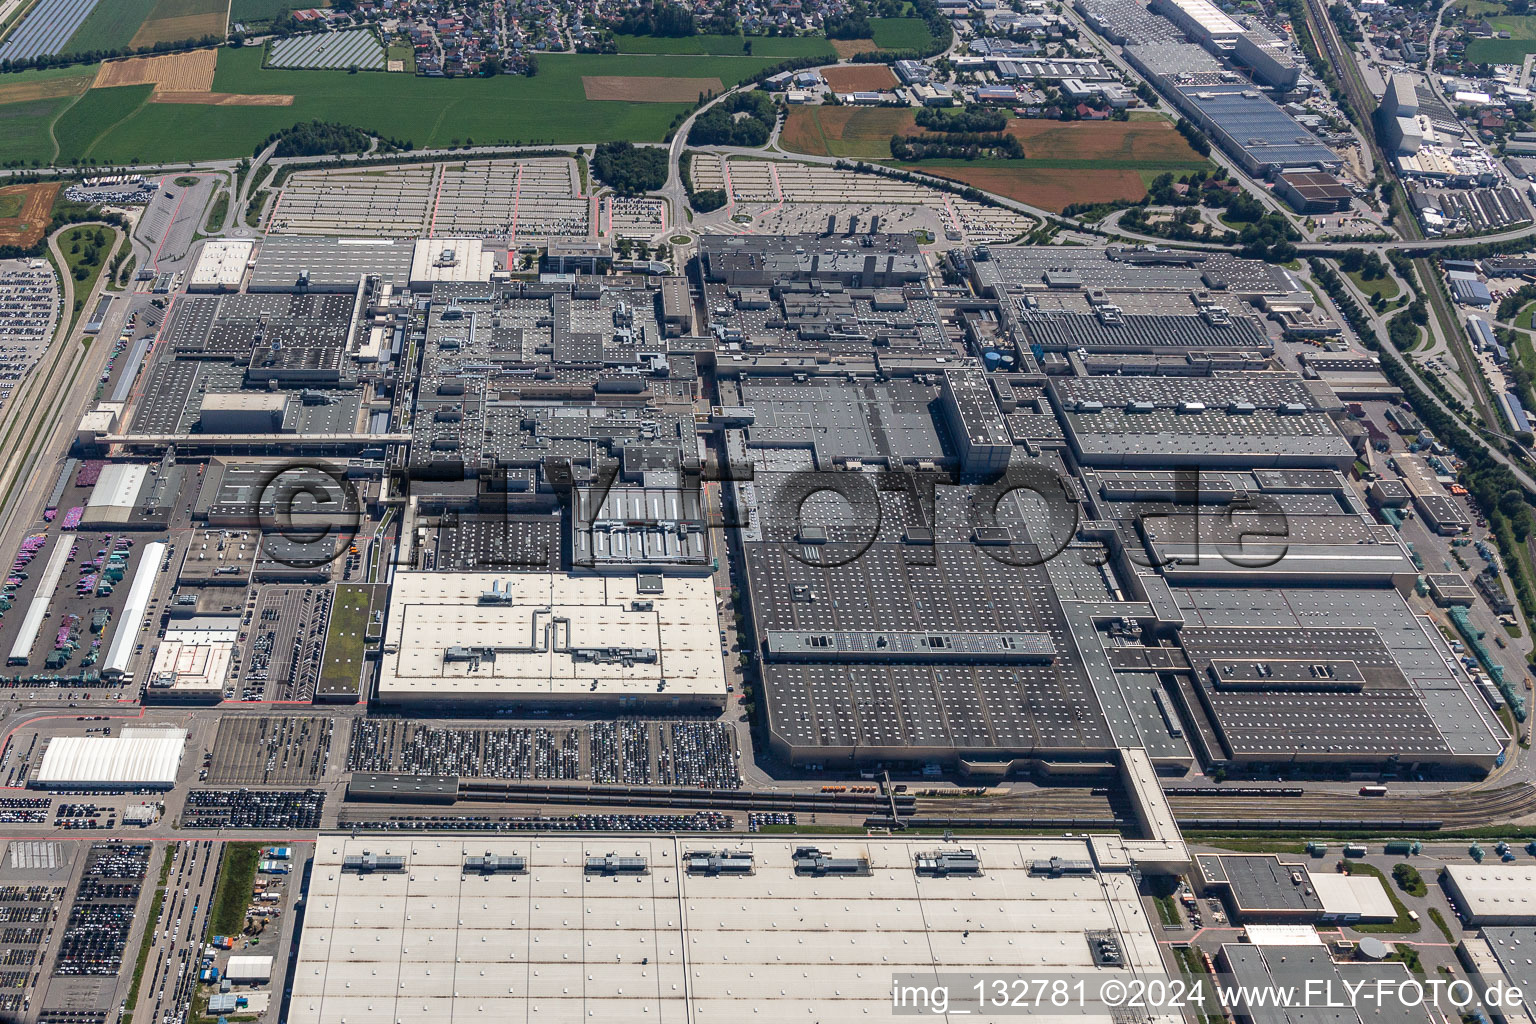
x,y
218,213
146,940
1383,286
1403,924
342,663
232,894
1439,920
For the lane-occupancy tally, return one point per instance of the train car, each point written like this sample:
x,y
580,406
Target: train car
x,y
1373,790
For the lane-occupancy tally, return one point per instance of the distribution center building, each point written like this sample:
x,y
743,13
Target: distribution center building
x,y
417,930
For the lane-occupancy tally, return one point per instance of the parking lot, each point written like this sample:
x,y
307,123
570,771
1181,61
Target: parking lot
x,y
281,645
672,753
28,301
526,200
780,197
269,750
245,808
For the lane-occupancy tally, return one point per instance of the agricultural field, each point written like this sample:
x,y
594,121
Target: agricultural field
x,y
1521,41
634,89
1153,145
853,47
171,21
550,107
44,85
857,133
96,114
1065,161
111,26
900,33
24,127
357,48
860,78
1047,188
188,72
728,46
46,29
249,12
25,211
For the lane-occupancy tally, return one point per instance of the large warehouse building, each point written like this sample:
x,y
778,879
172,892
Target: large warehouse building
x,y
552,639
136,758
1497,894
631,928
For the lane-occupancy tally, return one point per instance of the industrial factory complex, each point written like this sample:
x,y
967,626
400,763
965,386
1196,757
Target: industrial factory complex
x,y
592,581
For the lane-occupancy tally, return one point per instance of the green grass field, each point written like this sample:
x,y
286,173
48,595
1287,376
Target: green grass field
x,y
1383,286
260,10
232,895
109,26
342,665
119,125
900,33
1521,41
729,46
96,114
24,127
10,206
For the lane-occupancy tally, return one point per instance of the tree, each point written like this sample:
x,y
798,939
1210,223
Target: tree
x,y
746,48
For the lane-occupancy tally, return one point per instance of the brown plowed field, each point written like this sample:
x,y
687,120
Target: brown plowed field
x,y
36,204
1150,141
860,78
223,99
47,89
173,72
852,47
1049,188
639,89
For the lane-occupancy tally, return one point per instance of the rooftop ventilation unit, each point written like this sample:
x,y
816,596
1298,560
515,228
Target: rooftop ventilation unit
x,y
371,863
490,864
811,861
722,862
942,864
613,864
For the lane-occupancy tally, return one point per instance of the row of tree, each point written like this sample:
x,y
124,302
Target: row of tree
x,y
957,146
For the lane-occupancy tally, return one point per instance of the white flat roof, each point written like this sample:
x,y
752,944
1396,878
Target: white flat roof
x,y
1496,890
1359,896
450,259
118,484
187,667
221,263
554,943
1209,17
550,636
249,968
1283,934
134,757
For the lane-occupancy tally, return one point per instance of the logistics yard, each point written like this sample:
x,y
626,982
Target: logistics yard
x,y
463,570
